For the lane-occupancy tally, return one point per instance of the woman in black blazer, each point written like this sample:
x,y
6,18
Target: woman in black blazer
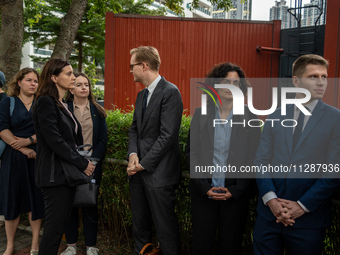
x,y
58,133
91,116
220,204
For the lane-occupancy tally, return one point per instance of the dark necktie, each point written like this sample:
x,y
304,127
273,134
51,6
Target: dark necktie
x,y
298,129
145,101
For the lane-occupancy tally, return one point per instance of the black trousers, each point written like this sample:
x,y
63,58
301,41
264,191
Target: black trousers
x,y
90,223
58,206
226,218
158,203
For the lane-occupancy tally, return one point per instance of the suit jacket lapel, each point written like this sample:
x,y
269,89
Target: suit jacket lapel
x,y
139,108
316,115
95,118
67,114
289,130
206,125
153,102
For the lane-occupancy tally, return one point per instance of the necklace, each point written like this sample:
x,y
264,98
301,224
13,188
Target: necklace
x,y
24,102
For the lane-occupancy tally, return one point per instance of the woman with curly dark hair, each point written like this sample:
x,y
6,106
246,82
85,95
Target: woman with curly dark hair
x,y
220,203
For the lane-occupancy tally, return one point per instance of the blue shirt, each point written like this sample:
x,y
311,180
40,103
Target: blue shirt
x,y
221,149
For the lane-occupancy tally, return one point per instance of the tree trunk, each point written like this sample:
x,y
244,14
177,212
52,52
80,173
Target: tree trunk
x,y
12,35
69,25
80,55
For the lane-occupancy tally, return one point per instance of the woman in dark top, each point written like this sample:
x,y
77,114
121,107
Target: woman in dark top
x,y
220,203
58,134
91,116
18,192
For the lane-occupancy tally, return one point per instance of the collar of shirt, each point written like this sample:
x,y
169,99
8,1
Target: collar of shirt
x,y
152,87
75,122
217,114
310,107
87,105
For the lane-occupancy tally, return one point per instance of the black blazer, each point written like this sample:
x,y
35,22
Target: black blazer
x,y
99,140
55,130
200,148
155,139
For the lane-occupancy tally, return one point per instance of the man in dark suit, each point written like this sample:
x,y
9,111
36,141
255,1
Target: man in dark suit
x,y
153,153
296,211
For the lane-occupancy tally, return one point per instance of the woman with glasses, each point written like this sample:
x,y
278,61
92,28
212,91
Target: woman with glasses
x,y
220,203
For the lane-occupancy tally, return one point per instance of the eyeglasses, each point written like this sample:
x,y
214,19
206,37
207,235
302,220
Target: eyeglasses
x,y
131,66
231,82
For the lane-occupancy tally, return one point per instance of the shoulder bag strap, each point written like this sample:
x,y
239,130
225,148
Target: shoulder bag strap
x,y
11,107
84,145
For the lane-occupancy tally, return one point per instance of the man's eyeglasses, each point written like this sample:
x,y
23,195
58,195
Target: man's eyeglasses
x,y
131,66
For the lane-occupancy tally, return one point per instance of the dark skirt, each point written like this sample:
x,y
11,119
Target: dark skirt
x,y
18,192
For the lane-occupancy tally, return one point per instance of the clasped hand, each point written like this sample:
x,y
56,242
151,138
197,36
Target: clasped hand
x,y
28,152
19,143
133,166
285,211
221,194
89,169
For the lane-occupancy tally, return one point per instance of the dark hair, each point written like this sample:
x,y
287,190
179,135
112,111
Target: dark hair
x,y
70,96
299,65
13,86
220,71
46,86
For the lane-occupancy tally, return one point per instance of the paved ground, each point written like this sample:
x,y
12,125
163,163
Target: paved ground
x,y
23,241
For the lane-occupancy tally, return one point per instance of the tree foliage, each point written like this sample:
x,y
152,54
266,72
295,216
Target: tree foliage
x,y
76,28
44,27
176,5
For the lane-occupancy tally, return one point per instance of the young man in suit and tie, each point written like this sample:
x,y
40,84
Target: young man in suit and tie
x,y
153,153
296,211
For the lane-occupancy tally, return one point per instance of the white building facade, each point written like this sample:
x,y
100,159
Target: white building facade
x,y
313,13
240,10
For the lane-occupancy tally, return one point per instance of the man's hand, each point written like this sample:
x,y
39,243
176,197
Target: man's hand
x,y
280,212
20,143
133,166
223,193
294,209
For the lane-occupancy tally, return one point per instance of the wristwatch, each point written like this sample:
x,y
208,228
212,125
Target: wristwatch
x,y
31,139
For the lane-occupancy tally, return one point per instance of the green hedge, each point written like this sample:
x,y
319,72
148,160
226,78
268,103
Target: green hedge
x,y
114,200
